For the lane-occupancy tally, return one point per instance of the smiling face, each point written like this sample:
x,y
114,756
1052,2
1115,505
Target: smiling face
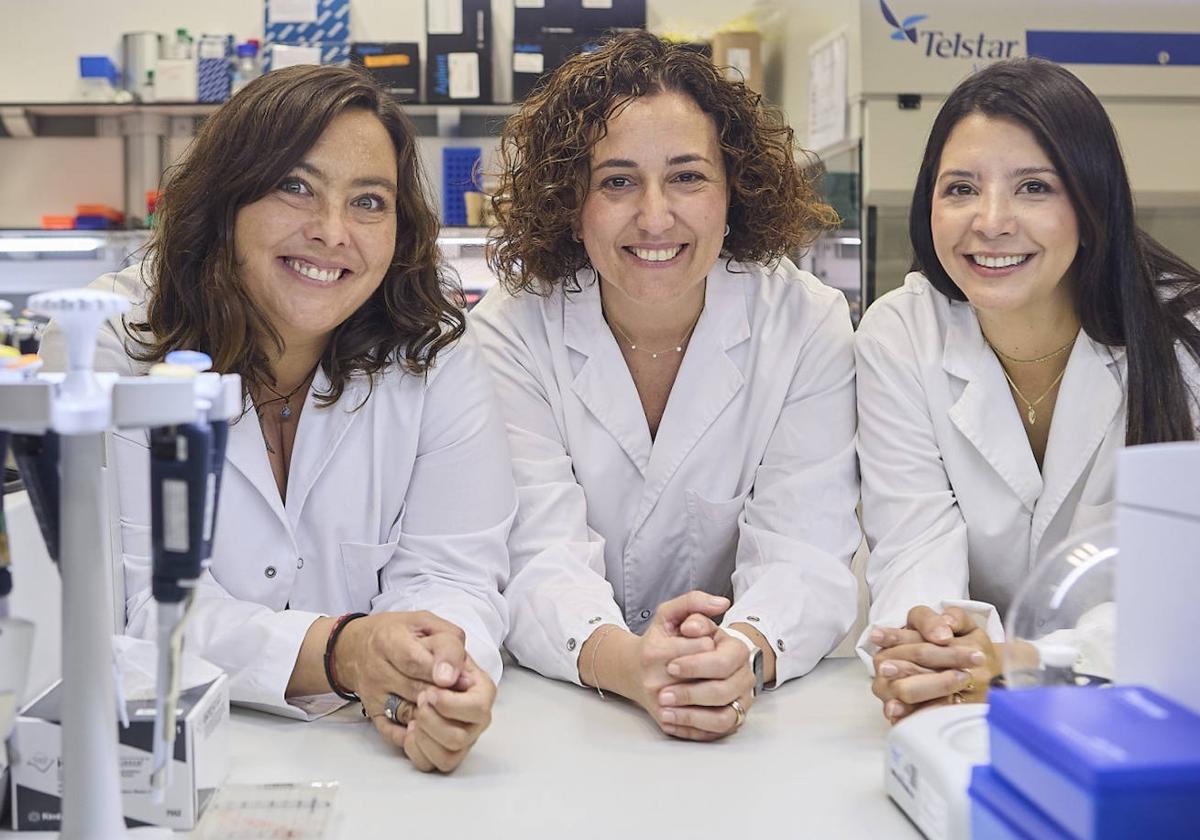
x,y
1003,225
654,218
317,246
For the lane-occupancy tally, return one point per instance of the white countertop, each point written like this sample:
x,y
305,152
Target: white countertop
x,y
560,762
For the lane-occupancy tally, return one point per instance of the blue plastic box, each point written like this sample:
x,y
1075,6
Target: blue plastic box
x,y
331,26
998,812
1102,762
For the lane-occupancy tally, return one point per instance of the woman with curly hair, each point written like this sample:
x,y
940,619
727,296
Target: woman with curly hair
x,y
296,247
679,397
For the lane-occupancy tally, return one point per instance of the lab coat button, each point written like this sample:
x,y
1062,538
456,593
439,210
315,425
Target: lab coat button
x,y
752,618
269,571
595,620
779,644
299,562
645,614
570,644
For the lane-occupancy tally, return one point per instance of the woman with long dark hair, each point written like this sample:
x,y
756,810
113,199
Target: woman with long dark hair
x,y
296,246
1039,333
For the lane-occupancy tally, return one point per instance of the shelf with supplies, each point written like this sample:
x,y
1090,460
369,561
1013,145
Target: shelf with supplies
x,y
102,119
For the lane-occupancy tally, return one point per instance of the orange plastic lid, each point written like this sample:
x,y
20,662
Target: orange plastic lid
x,y
99,210
58,222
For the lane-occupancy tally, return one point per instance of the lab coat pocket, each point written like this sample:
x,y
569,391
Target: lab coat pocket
x,y
1090,516
712,541
362,564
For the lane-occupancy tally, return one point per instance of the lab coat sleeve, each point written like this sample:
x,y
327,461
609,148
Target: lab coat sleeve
x,y
792,579
557,595
914,528
451,557
253,643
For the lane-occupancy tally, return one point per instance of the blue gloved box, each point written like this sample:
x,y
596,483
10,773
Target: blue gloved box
x,y
998,812
1101,762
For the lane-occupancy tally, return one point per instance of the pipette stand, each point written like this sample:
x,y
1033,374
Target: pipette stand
x,y
81,406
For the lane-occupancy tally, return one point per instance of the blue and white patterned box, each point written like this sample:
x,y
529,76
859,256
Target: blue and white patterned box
x,y
213,68
332,24
286,55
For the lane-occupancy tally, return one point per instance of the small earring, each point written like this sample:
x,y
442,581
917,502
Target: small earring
x,y
575,237
726,231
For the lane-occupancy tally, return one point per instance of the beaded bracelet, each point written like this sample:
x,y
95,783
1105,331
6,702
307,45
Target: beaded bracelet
x,y
330,669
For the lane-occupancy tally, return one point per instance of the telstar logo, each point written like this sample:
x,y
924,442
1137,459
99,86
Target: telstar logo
x,y
904,30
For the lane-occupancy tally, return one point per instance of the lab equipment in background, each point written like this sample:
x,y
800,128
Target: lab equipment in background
x,y
79,407
1095,763
460,174
1159,522
300,811
314,32
396,66
97,79
458,52
180,47
140,52
247,66
213,69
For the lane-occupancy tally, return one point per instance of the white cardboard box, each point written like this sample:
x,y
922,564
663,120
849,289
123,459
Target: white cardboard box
x,y
201,760
175,80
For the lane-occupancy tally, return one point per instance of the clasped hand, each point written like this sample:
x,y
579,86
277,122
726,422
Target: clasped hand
x,y
936,658
691,671
421,658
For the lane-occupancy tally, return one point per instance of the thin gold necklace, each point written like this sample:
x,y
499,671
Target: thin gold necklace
x,y
654,354
1030,406
1047,357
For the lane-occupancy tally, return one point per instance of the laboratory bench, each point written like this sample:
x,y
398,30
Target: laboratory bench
x,y
559,761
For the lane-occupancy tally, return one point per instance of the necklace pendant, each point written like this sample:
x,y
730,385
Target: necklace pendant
x,y
1032,415
653,355
286,411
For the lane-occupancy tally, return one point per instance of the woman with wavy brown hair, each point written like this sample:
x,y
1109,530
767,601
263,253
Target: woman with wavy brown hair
x,y
296,247
679,397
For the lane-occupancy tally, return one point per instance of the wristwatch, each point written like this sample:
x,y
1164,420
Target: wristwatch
x,y
756,657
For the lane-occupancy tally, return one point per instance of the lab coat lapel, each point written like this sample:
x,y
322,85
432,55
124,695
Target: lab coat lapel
x,y
319,436
985,412
707,381
604,384
246,452
1089,398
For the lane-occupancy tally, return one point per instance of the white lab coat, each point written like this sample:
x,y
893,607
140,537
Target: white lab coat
x,y
749,488
955,509
404,504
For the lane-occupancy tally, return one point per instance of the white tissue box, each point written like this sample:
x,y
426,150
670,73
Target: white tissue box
x,y
200,763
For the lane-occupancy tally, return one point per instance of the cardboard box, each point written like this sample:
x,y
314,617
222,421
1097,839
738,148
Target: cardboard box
x,y
397,66
277,56
201,760
458,51
741,54
580,17
330,25
214,72
175,80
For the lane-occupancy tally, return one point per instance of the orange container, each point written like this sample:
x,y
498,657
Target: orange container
x,y
58,222
104,210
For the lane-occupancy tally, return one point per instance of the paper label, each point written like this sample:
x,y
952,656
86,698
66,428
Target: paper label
x,y
175,514
597,4
464,75
739,61
524,62
397,60
288,56
292,11
530,4
444,17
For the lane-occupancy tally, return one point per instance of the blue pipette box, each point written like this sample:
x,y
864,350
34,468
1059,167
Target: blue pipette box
x,y
998,812
1101,762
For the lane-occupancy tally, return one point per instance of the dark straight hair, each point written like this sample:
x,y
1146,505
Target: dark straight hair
x,y
196,298
1119,270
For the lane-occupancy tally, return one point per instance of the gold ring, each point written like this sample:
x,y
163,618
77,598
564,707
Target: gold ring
x,y
740,711
970,684
956,697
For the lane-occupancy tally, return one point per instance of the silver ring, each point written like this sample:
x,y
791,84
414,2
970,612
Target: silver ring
x,y
740,711
391,706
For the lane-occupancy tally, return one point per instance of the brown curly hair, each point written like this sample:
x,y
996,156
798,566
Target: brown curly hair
x,y
242,152
545,160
